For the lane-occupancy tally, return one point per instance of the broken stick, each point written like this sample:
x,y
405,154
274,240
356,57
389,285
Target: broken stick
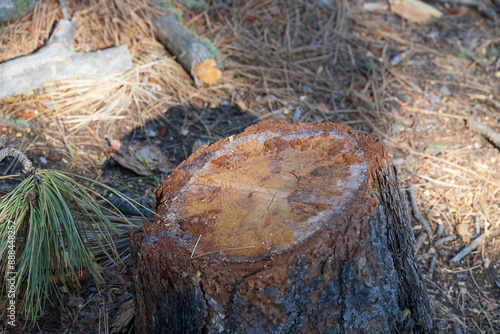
x,y
194,56
432,266
485,131
473,245
416,211
56,60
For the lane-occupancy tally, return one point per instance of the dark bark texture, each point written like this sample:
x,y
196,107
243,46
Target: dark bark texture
x,y
356,274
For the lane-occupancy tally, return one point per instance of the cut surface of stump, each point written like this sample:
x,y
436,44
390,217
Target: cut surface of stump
x,y
262,194
283,228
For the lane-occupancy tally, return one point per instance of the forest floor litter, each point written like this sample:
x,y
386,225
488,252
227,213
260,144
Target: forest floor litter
x,y
424,90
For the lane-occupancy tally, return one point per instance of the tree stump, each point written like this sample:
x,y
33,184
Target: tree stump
x,y
281,229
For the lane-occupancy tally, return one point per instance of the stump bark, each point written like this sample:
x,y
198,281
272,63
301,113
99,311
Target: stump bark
x,y
281,229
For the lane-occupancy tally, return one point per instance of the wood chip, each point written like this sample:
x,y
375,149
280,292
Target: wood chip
x,y
123,317
75,301
414,10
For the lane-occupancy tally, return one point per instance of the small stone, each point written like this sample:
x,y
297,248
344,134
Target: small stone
x,y
335,96
435,99
398,161
477,145
296,114
445,91
307,89
399,128
400,96
398,58
43,160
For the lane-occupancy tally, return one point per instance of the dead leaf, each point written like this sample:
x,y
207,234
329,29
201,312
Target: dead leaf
x,y
414,10
207,72
163,131
397,143
152,154
26,114
116,276
124,315
489,304
323,107
76,301
241,105
115,144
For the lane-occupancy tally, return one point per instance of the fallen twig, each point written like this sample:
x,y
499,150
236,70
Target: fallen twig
x,y
473,245
196,245
432,266
194,55
444,240
439,230
485,131
420,240
416,211
489,12
56,60
12,152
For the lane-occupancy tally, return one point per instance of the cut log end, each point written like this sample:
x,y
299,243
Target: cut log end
x,y
264,193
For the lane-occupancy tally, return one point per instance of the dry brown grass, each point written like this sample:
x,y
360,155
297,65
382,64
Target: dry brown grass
x,y
455,171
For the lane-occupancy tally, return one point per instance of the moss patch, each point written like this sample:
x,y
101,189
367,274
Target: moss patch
x,y
211,48
21,6
195,4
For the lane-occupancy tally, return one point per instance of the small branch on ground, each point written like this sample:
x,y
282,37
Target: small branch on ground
x,y
57,61
191,52
485,131
12,152
432,266
419,241
489,12
439,230
473,245
444,240
416,211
